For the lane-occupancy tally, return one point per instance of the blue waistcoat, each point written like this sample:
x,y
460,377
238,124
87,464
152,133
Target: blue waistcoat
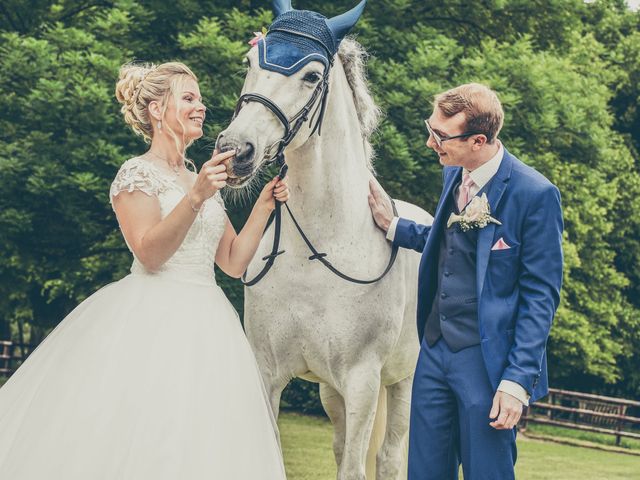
x,y
454,313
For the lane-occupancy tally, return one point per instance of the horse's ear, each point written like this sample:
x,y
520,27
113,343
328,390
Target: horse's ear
x,y
341,24
281,6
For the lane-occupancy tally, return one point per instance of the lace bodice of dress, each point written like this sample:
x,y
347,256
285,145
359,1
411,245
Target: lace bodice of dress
x,y
194,260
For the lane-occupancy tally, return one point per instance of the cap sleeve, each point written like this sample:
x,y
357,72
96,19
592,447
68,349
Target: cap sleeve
x,y
136,174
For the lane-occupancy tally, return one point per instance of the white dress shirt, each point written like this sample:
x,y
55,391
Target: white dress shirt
x,y
481,176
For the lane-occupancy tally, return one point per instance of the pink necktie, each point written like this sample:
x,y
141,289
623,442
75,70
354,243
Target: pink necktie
x,y
464,195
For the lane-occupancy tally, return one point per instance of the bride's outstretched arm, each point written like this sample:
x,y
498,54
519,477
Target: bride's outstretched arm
x,y
235,251
154,239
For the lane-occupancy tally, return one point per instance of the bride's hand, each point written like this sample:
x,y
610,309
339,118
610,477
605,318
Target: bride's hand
x,y
276,189
212,177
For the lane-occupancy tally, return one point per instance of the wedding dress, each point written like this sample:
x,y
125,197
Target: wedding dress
x,y
150,378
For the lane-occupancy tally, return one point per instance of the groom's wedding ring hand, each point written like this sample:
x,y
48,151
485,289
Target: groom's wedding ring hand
x,y
506,410
212,177
380,205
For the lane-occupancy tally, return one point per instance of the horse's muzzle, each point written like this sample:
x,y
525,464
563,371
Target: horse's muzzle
x,y
240,167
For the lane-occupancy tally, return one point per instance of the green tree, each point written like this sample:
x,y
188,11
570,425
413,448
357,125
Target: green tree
x,y
567,71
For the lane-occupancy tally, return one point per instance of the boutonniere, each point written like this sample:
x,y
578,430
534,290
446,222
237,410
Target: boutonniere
x,y
476,215
257,36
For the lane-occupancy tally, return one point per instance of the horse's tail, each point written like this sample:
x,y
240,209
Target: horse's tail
x,y
377,434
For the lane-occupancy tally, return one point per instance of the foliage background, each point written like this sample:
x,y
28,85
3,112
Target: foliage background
x,y
567,71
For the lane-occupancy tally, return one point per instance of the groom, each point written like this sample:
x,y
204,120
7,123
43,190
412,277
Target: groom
x,y
489,286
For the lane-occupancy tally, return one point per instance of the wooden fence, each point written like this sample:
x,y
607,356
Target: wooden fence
x,y
587,412
5,358
11,356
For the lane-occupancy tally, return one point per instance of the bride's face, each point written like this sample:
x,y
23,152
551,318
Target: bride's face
x,y
185,112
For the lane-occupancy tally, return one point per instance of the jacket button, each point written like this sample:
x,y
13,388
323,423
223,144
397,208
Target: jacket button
x,y
443,317
447,274
443,295
451,250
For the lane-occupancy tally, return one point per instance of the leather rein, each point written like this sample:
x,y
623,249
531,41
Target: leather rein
x,y
320,92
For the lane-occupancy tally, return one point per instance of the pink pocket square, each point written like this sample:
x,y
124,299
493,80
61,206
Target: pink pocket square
x,y
500,245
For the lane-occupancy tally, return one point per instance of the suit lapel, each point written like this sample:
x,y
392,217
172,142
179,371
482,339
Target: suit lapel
x,y
485,235
452,179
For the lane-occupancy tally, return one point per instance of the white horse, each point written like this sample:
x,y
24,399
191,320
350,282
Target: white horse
x,y
301,319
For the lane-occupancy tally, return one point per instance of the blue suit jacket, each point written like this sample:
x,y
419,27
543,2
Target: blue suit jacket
x,y
518,288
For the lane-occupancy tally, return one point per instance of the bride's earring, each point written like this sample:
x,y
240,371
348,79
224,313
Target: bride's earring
x,y
159,126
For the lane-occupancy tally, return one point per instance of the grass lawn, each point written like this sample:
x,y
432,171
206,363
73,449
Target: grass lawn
x,y
306,442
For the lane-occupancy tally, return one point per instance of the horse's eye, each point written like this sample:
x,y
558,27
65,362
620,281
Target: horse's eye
x,y
311,77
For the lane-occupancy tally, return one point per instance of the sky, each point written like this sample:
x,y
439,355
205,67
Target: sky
x,y
633,4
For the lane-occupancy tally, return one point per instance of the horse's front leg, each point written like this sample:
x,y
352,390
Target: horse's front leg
x,y
333,404
361,392
271,371
392,457
275,387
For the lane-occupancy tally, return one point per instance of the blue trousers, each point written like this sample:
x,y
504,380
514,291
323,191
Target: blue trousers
x,y
450,405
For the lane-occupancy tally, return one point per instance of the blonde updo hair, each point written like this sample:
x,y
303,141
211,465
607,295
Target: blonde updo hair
x,y
140,84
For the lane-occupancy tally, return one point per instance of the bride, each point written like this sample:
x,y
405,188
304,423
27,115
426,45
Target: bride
x,y
152,377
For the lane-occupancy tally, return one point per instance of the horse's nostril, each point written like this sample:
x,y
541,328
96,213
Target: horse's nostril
x,y
245,153
243,161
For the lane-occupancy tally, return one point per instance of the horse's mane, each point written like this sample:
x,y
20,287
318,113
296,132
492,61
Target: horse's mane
x,y
353,57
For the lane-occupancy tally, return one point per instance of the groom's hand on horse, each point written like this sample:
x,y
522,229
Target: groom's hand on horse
x,y
506,410
380,205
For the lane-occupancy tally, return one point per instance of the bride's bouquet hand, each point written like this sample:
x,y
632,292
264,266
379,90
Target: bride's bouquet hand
x,y
276,189
212,177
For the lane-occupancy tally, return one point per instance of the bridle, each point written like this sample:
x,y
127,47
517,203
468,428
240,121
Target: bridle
x,y
320,92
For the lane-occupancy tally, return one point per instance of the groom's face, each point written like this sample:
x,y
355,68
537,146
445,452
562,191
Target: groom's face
x,y
454,152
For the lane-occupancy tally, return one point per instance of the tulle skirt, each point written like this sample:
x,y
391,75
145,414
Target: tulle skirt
x,y
148,379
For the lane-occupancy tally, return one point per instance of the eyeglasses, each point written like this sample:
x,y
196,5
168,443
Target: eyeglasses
x,y
440,140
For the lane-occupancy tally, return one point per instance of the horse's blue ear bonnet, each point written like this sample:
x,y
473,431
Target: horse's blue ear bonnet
x,y
297,37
